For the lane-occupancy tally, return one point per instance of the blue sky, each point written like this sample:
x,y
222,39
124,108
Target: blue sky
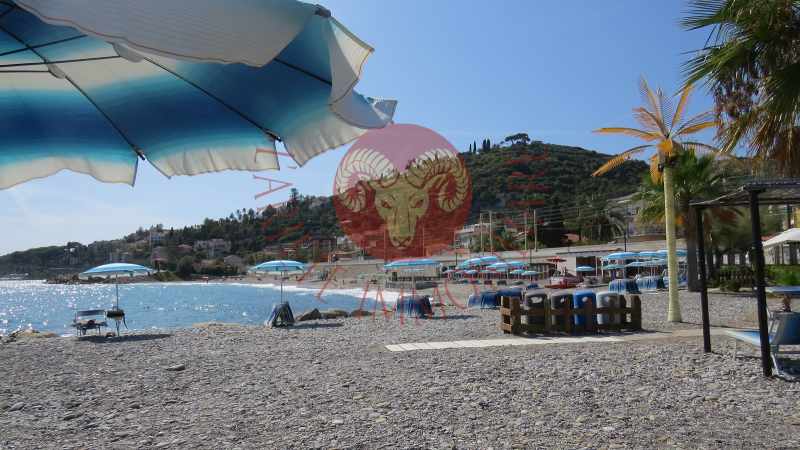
x,y
468,69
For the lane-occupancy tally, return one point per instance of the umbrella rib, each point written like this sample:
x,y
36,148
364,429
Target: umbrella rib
x,y
46,44
136,149
303,71
25,71
222,102
60,61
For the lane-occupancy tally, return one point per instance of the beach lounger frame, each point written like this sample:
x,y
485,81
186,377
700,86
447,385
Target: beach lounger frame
x,y
784,330
82,326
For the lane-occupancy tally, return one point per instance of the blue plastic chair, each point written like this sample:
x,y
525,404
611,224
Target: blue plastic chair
x,y
484,300
417,306
624,286
649,283
579,298
607,299
560,301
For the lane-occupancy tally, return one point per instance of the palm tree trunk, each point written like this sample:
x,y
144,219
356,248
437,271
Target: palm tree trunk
x,y
674,308
690,232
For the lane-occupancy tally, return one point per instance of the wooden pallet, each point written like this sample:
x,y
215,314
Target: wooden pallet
x,y
548,320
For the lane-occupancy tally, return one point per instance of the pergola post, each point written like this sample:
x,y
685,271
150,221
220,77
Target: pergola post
x,y
701,271
761,295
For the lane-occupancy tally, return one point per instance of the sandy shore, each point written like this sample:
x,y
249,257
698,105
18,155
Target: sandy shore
x,y
332,384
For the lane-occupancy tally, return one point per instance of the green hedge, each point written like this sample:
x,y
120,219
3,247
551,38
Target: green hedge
x,y
783,275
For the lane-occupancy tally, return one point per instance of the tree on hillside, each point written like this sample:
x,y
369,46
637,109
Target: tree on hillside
x,y
517,139
665,131
752,65
185,267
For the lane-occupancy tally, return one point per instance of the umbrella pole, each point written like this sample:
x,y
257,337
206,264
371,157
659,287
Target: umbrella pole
x,y
282,274
116,284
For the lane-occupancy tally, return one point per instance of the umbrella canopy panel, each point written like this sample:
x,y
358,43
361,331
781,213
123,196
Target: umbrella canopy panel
x,y
172,100
279,266
619,256
116,269
411,262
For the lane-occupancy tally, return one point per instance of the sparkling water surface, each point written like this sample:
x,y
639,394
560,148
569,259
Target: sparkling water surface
x,y
51,307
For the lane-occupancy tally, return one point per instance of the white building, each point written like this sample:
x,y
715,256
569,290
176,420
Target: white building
x,y
213,247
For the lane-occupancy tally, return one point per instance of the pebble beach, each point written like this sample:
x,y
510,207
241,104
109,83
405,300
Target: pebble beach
x,y
333,384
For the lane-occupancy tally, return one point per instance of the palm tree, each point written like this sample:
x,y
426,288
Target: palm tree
x,y
596,220
752,66
695,178
665,131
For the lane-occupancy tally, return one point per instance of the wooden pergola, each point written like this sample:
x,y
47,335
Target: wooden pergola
x,y
752,195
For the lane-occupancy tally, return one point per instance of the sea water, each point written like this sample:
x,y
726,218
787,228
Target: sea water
x,y
51,307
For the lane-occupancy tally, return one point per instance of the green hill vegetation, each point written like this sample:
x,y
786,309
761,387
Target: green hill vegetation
x,y
517,174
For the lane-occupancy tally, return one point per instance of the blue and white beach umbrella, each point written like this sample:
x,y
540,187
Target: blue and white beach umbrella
x,y
681,253
281,267
115,270
619,256
584,269
499,266
193,86
411,262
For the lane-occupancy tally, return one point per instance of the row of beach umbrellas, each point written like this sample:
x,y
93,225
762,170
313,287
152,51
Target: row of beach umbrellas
x,y
624,256
115,270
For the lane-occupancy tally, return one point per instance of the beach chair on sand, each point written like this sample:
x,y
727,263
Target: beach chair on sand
x,y
90,319
784,330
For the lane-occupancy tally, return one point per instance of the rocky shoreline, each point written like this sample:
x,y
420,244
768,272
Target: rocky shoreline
x,y
332,384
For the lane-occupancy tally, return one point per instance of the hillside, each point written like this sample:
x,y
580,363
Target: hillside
x,y
517,175
532,175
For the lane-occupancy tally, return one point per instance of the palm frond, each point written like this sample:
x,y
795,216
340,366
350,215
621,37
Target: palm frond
x,y
655,170
699,148
650,98
649,121
684,131
706,116
641,134
618,160
666,109
703,13
685,94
